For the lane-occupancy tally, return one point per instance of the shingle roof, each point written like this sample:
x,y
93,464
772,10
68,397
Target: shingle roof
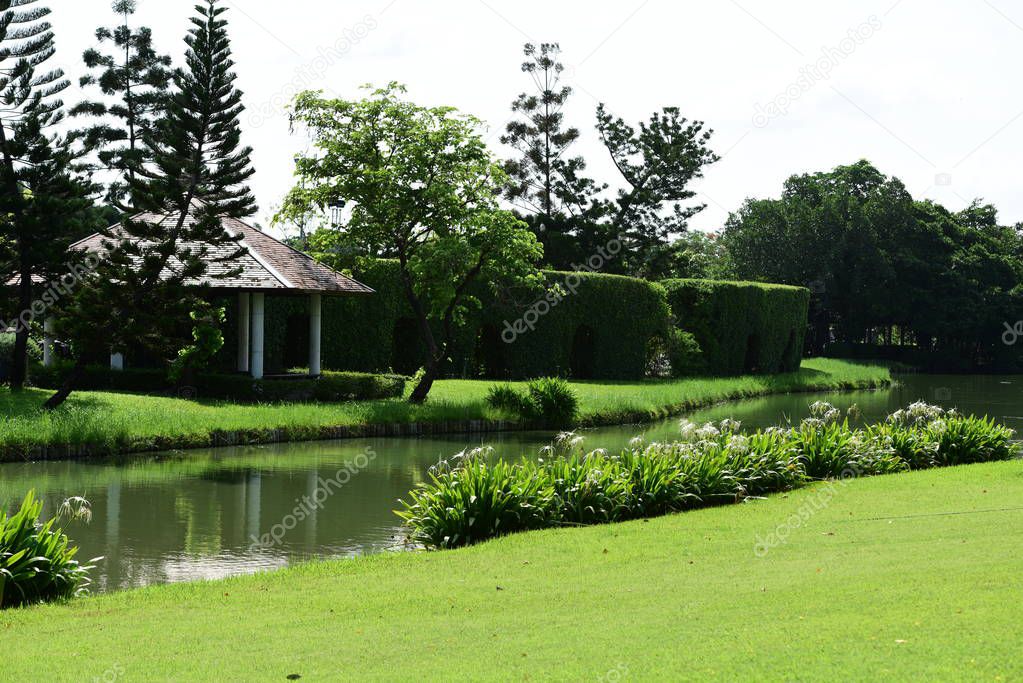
x,y
268,265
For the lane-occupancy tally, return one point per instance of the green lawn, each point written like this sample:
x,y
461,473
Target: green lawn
x,y
126,422
908,577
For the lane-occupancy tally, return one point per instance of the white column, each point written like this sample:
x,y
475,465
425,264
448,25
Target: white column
x,y
257,336
315,306
117,361
243,332
48,343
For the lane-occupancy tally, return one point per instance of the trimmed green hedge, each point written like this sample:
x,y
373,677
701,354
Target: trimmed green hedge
x,y
597,327
585,326
742,327
331,387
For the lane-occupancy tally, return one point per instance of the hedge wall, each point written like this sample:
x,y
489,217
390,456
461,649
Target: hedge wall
x,y
743,327
331,387
586,326
598,330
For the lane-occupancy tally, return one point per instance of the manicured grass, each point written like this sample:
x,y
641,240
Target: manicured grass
x,y
906,577
112,423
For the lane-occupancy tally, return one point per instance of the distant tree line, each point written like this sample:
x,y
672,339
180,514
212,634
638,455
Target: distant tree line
x,y
885,270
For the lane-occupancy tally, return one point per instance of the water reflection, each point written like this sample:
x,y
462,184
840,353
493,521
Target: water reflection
x,y
196,515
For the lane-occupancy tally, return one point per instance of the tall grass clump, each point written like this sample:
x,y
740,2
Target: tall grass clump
x,y
36,559
548,401
475,497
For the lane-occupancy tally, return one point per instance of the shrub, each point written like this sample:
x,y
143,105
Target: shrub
x,y
552,402
7,352
926,436
330,387
507,399
473,499
36,561
685,354
549,402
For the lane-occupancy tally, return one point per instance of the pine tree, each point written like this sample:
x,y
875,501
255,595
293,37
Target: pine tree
x,y
547,184
657,162
134,81
196,147
145,290
29,104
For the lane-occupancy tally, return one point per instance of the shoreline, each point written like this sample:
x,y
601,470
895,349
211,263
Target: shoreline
x,y
307,433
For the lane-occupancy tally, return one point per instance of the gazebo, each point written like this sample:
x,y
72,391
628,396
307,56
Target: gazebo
x,y
269,266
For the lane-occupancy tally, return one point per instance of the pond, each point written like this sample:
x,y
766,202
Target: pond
x,y
215,513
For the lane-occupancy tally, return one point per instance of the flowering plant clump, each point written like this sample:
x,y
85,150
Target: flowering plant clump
x,y
472,497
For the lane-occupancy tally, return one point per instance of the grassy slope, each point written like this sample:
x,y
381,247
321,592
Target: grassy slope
x,y
914,576
121,419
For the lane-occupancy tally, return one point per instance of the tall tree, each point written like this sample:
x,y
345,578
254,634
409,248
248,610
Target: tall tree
x,y
547,184
134,81
156,272
421,183
29,103
658,163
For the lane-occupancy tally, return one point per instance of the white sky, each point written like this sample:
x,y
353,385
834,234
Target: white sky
x,y
933,95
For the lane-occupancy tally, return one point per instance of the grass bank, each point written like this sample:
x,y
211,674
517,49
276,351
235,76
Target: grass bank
x,y
102,423
906,577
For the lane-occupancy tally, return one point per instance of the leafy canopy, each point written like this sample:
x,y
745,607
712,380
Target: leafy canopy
x,y
417,183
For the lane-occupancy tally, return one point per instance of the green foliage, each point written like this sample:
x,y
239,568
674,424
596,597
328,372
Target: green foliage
x,y
684,354
111,423
330,387
7,348
943,438
546,183
658,162
911,279
36,559
742,327
692,256
142,292
709,465
548,402
207,340
138,79
508,399
552,402
421,186
573,487
378,333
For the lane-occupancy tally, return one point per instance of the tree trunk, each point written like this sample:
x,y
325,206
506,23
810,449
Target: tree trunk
x,y
19,368
422,389
57,400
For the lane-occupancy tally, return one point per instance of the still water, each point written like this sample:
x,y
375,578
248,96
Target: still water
x,y
215,513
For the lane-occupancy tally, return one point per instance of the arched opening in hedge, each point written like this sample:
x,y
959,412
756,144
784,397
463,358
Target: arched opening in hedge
x,y
752,363
658,357
296,341
583,358
406,347
491,359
